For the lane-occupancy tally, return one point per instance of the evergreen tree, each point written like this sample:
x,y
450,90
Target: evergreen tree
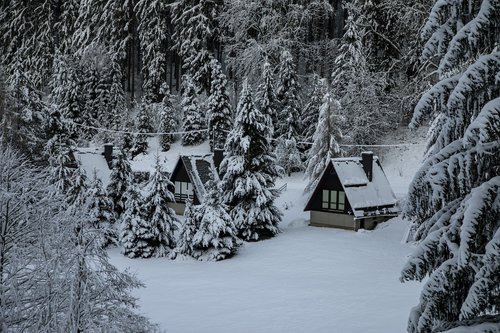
x,y
78,186
266,96
101,213
453,200
289,102
168,123
143,125
288,155
250,171
219,109
216,236
187,231
161,219
134,229
326,139
192,115
311,110
119,181
61,172
195,35
153,41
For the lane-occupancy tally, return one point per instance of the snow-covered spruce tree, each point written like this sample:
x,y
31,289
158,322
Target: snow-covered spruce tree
x,y
454,201
119,181
161,220
76,193
311,110
101,213
153,41
250,171
196,31
167,120
26,116
219,108
134,229
187,231
288,155
288,123
143,125
216,236
266,96
192,114
61,170
325,140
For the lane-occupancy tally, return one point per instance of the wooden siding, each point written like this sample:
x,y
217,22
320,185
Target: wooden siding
x,y
180,175
329,181
333,220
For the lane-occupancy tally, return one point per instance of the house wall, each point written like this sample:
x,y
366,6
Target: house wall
x,y
333,220
178,207
329,181
180,174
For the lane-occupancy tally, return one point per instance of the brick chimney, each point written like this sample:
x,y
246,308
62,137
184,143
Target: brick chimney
x,y
367,161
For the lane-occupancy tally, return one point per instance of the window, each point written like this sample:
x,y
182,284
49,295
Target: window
x,y
183,190
333,200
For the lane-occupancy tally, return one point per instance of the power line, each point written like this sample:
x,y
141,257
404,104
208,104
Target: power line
x,y
206,130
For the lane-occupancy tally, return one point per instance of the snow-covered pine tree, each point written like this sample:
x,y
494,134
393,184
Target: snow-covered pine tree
x,y
288,155
219,109
161,219
216,236
250,171
196,32
153,40
101,213
167,115
187,231
143,125
61,172
119,181
266,96
76,193
311,110
289,123
453,200
134,229
192,114
325,140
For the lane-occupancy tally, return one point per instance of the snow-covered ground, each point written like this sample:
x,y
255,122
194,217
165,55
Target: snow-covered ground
x,y
306,279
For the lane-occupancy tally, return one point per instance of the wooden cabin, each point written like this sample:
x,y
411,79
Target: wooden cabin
x,y
190,175
352,193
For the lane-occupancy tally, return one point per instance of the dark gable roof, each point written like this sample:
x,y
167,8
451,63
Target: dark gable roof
x,y
365,197
200,170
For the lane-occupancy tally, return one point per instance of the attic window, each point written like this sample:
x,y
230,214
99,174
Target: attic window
x,y
183,190
333,200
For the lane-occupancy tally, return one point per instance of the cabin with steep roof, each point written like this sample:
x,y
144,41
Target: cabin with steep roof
x,y
352,193
189,177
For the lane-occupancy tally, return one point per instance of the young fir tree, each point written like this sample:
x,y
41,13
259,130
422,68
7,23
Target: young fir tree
x,y
289,123
167,118
311,110
266,96
119,181
143,125
78,186
453,200
326,137
61,172
219,109
288,155
193,119
187,231
101,213
161,219
250,170
216,236
134,229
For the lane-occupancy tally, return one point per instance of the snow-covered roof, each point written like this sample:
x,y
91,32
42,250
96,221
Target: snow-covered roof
x,y
364,195
200,170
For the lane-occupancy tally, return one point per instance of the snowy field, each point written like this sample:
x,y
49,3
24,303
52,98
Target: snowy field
x,y
306,279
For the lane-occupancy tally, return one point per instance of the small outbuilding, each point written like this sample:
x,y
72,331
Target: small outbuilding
x,y
352,193
190,175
